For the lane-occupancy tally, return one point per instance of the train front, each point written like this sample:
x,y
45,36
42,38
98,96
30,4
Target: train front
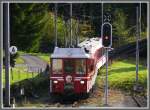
x,y
68,71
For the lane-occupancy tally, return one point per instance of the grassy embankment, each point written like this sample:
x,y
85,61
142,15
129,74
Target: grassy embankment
x,y
122,74
20,73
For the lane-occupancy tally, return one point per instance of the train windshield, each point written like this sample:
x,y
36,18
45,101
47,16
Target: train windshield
x,y
75,65
69,66
80,66
57,66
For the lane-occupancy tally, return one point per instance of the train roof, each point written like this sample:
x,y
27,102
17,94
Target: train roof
x,y
69,53
91,44
85,49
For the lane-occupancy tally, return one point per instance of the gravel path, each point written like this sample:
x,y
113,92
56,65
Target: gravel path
x,y
116,98
33,63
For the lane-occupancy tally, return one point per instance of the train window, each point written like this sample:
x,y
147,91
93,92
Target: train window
x,y
57,66
69,66
90,66
80,66
103,51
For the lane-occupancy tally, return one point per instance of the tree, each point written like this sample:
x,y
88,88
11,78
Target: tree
x,y
26,26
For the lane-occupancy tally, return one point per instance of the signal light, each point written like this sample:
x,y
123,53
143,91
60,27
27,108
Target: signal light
x,y
106,34
106,37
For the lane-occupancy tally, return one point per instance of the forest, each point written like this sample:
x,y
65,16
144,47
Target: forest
x,y
32,24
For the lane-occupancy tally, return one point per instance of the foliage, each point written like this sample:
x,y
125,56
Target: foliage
x,y
119,23
26,26
12,59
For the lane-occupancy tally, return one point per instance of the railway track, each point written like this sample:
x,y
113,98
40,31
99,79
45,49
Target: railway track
x,y
141,101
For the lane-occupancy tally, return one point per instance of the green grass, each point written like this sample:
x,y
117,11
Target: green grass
x,y
19,60
18,74
122,74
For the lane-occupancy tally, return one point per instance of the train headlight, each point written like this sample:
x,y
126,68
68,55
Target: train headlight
x,y
55,82
82,82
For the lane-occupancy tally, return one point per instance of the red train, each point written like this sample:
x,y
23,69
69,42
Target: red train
x,y
75,69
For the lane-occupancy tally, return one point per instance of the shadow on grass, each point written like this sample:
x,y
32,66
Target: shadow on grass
x,y
33,88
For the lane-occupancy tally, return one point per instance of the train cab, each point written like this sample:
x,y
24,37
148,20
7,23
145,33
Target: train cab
x,y
73,69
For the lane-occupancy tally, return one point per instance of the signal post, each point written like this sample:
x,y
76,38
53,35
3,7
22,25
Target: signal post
x,y
106,34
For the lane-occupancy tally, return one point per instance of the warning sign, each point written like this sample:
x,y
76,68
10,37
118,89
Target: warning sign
x,y
13,49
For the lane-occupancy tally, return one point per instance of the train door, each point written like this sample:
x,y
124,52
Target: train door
x,y
69,74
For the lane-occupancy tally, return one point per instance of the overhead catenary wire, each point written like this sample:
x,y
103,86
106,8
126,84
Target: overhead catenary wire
x,y
76,15
71,43
70,24
140,20
137,44
102,12
77,42
55,21
64,30
83,16
91,14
